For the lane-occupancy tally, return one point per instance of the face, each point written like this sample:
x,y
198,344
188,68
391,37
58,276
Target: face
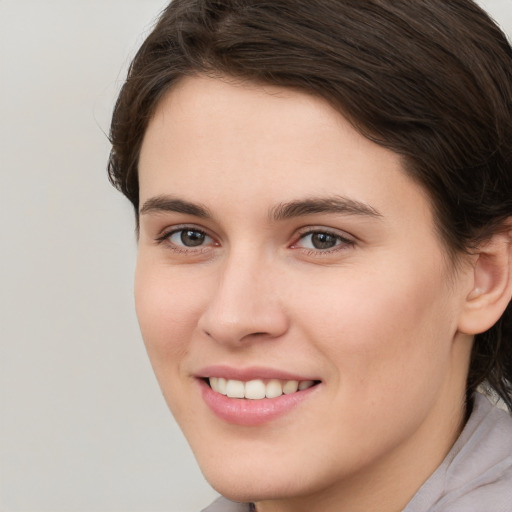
x,y
298,308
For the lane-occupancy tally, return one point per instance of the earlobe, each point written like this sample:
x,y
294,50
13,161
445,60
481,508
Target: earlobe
x,y
492,284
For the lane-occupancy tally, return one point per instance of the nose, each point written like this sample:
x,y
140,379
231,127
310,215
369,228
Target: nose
x,y
245,303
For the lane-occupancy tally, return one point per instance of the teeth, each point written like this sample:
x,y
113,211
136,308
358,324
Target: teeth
x,y
235,389
221,385
274,389
305,384
290,387
257,389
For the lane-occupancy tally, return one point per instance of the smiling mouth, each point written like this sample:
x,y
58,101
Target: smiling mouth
x,y
258,389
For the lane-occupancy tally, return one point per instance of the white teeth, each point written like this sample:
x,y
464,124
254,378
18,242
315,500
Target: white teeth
x,y
257,389
274,389
290,387
305,384
235,389
221,385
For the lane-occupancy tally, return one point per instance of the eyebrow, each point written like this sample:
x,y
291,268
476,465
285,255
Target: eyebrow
x,y
283,211
160,204
318,205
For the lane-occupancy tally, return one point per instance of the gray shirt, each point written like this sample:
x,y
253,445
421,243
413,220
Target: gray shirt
x,y
475,476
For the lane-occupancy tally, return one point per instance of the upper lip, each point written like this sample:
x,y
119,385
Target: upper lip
x,y
250,373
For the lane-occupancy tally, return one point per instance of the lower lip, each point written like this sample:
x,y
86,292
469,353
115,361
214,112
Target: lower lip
x,y
242,411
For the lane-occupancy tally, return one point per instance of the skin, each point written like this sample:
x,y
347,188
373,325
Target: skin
x,y
375,317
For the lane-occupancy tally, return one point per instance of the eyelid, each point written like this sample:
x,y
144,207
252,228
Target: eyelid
x,y
307,230
165,234
343,237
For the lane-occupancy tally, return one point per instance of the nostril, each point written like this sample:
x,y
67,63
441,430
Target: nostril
x,y
232,325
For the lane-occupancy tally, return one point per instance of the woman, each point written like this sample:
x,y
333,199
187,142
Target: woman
x,y
323,195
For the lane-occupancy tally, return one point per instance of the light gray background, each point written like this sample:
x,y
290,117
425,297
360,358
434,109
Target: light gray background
x,y
83,426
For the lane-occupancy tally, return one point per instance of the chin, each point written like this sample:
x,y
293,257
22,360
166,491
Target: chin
x,y
251,478
248,488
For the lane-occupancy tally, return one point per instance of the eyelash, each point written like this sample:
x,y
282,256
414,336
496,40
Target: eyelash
x,y
341,242
165,238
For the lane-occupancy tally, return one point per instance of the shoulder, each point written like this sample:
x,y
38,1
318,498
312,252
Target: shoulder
x,y
223,505
476,474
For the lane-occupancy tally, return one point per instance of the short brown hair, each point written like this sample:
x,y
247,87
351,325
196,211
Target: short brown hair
x,y
428,79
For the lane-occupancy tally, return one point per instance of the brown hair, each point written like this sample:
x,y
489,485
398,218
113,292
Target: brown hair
x,y
428,79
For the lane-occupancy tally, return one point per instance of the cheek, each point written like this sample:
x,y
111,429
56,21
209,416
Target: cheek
x,y
388,342
381,328
167,310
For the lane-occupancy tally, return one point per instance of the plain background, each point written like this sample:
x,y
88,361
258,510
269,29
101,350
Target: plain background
x,y
83,426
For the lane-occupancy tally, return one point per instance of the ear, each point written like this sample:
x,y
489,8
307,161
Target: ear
x,y
492,283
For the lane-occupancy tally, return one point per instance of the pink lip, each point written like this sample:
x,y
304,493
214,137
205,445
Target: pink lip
x,y
250,373
240,411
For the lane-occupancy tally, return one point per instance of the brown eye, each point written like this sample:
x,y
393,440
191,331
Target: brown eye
x,y
189,238
323,240
192,238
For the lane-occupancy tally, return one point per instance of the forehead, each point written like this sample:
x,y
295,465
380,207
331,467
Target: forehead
x,y
255,145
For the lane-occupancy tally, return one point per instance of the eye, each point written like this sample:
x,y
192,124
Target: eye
x,y
187,238
318,240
